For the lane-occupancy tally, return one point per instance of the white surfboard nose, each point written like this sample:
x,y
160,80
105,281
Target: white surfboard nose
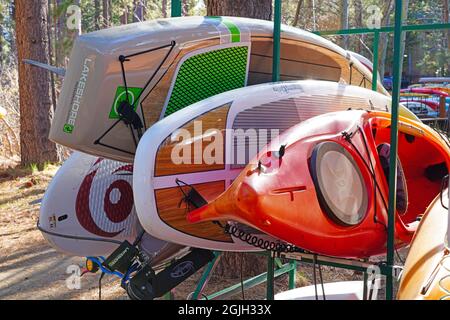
x,y
90,198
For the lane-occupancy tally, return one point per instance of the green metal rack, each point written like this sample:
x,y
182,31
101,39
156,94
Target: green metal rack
x,y
275,267
176,10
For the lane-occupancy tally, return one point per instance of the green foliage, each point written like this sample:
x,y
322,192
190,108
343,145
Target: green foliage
x,y
436,56
33,168
7,33
431,47
427,52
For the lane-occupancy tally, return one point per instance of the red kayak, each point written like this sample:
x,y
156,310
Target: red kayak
x,y
423,90
323,185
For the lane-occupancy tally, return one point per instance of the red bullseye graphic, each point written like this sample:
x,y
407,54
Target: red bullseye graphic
x,y
118,212
115,212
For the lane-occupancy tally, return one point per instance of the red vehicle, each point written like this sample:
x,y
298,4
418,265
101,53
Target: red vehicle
x,y
422,108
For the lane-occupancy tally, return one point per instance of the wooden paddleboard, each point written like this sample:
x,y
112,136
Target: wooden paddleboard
x,y
169,64
207,144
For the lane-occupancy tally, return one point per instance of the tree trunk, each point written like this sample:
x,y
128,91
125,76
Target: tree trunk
x,y
124,16
13,47
97,14
34,83
446,19
1,41
230,263
258,9
110,12
359,22
184,8
403,38
344,23
384,37
164,8
50,55
59,35
138,11
72,34
106,13
297,13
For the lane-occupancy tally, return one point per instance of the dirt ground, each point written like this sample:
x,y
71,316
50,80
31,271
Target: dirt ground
x,y
31,269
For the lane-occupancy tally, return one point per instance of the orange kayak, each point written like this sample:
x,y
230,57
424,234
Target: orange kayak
x,y
426,275
323,186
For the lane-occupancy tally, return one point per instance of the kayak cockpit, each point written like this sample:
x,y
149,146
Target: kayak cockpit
x,y
422,164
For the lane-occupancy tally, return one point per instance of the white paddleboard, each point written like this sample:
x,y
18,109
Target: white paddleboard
x,y
343,290
91,197
172,63
207,144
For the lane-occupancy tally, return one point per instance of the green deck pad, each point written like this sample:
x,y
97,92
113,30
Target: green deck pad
x,y
207,74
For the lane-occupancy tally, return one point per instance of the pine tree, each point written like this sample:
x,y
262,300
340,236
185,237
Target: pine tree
x,y
34,83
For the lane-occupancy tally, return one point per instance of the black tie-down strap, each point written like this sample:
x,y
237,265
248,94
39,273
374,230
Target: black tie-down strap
x,y
192,197
148,285
195,199
126,111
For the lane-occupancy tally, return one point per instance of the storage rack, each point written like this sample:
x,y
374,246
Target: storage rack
x,y
387,268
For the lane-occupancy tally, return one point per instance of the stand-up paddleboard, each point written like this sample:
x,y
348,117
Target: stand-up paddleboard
x,y
90,197
322,185
206,145
169,64
426,275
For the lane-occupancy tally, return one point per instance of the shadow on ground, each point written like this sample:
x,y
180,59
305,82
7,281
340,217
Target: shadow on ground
x,y
39,272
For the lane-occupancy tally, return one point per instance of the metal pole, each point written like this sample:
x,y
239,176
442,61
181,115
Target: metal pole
x,y
376,40
292,274
206,276
442,102
420,27
175,10
276,41
249,283
169,295
447,129
398,59
270,277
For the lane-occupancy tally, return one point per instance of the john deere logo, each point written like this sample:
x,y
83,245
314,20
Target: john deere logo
x,y
121,95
